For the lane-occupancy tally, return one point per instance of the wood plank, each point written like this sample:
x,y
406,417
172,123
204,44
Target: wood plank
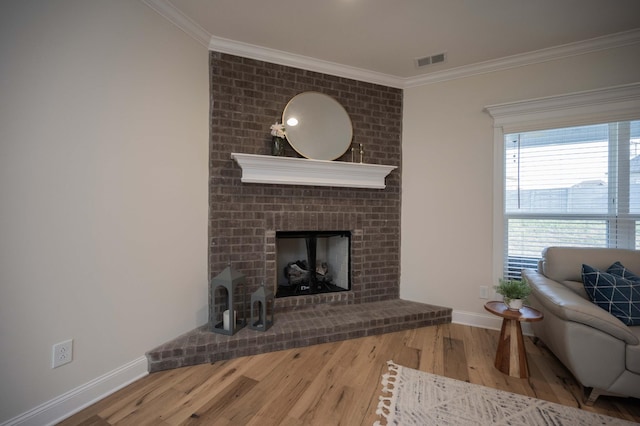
x,y
147,395
117,400
562,383
94,420
284,386
263,364
539,387
629,412
219,407
295,368
455,355
480,347
371,387
361,354
330,407
147,413
326,375
218,379
333,383
276,409
431,349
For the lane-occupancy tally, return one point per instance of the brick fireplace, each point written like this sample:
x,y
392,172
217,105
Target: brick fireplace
x,y
247,96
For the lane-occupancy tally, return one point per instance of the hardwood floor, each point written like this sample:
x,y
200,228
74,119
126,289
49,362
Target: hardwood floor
x,y
333,383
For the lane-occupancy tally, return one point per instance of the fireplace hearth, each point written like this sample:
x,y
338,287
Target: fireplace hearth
x,y
298,328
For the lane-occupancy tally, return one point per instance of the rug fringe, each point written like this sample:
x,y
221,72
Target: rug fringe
x,y
388,386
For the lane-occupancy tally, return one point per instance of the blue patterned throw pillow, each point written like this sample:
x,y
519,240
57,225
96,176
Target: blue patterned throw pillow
x,y
613,293
619,270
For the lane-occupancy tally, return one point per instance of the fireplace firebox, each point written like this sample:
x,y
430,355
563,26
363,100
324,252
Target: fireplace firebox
x,y
312,262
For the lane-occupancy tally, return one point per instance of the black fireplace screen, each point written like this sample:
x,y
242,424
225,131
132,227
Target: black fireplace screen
x,y
310,262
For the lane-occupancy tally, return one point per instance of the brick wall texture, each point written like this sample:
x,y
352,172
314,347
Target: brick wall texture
x,y
247,97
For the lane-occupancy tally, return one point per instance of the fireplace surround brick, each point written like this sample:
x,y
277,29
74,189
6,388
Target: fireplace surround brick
x,y
247,96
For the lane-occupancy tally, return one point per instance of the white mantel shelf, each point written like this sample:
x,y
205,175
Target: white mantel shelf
x,y
302,171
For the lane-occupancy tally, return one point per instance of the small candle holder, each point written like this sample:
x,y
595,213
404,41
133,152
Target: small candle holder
x,y
262,305
227,316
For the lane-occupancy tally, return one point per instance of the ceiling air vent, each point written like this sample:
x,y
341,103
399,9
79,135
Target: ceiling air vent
x,y
430,60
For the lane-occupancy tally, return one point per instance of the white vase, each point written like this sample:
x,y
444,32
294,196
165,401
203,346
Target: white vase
x,y
513,304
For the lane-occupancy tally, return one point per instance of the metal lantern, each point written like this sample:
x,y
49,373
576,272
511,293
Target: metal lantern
x,y
229,315
262,304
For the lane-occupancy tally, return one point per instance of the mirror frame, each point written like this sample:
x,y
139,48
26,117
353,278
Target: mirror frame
x,y
324,130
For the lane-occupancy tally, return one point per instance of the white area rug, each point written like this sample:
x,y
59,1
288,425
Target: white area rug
x,y
412,397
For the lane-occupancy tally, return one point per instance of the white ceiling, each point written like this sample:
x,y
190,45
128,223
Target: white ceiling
x,y
379,39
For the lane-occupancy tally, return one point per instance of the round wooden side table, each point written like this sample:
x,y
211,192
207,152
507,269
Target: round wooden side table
x,y
511,357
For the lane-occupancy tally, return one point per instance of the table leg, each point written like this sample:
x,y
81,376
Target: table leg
x,y
511,357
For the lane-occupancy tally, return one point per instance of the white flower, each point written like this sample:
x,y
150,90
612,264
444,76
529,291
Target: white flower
x,y
278,130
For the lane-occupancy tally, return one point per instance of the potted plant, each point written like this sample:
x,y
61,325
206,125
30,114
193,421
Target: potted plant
x,y
514,292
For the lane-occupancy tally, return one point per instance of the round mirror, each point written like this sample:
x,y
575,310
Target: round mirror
x,y
317,126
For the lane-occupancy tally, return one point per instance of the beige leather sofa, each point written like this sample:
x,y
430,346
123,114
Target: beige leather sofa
x,y
602,353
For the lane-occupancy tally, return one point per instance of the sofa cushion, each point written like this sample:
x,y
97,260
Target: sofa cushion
x,y
565,263
619,269
617,295
633,353
577,287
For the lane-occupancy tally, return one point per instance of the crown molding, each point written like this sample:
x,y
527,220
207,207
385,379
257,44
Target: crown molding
x,y
266,54
543,55
167,10
180,20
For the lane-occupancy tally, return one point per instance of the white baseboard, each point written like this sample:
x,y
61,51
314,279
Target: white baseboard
x,y
69,403
475,319
491,322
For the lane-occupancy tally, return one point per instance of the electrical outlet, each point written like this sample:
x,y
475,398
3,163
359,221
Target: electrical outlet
x,y
484,292
62,353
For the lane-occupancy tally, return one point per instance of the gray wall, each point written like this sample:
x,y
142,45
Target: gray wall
x,y
103,189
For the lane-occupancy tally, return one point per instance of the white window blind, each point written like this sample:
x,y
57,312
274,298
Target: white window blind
x,y
575,186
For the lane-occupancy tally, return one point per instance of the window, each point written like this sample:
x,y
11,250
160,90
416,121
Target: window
x,y
573,186
562,177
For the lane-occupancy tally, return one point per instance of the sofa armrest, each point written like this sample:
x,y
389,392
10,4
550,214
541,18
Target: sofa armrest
x,y
566,304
